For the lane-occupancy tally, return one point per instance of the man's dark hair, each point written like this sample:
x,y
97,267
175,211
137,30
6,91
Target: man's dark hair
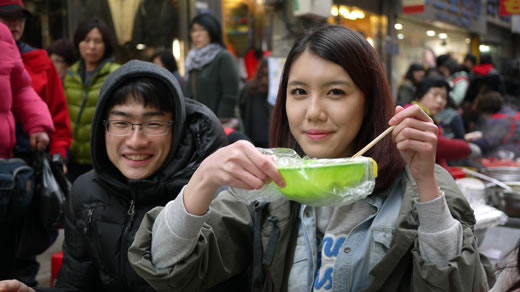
x,y
142,90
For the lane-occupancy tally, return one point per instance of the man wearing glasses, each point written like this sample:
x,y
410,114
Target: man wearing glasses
x,y
146,142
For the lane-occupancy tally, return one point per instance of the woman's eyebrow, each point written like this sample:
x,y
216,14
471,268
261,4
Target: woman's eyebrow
x,y
338,82
296,83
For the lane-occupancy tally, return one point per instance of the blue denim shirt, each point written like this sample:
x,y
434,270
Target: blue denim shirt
x,y
356,254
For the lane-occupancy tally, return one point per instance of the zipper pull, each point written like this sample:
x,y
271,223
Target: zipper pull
x,y
131,208
90,212
89,219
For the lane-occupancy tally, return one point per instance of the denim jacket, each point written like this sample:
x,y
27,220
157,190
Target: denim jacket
x,y
362,248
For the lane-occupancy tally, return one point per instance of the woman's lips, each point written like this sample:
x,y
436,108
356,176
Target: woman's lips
x,y
317,134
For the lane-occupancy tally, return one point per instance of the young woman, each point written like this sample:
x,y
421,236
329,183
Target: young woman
x,y
413,233
96,44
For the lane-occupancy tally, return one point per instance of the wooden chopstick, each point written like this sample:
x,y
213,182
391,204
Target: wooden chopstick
x,y
381,136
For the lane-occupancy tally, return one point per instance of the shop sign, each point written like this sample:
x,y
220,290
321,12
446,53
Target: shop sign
x,y
413,6
509,7
463,13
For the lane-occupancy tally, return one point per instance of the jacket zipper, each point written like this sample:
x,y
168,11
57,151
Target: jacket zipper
x,y
124,245
89,219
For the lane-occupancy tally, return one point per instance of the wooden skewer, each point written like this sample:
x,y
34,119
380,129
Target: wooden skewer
x,y
366,148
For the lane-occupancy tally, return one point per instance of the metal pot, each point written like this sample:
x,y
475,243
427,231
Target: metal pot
x,y
507,201
503,173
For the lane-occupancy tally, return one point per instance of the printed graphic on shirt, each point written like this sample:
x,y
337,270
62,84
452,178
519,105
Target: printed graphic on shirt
x,y
330,247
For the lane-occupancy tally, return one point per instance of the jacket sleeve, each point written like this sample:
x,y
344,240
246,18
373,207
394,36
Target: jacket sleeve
x,y
62,138
222,249
228,76
78,271
469,270
28,107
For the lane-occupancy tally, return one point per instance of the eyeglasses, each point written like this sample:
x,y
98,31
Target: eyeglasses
x,y
150,128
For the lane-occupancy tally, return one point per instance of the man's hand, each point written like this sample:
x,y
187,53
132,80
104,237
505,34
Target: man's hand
x,y
39,141
14,286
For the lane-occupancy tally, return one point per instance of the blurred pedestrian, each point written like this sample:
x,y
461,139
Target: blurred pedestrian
x,y
45,78
413,77
457,78
19,102
501,130
96,44
212,71
428,58
46,82
485,78
469,62
451,121
255,110
63,54
165,59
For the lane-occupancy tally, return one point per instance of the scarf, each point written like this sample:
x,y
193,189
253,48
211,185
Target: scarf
x,y
198,58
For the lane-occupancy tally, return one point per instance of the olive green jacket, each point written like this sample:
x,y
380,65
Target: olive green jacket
x,y
82,99
216,85
225,244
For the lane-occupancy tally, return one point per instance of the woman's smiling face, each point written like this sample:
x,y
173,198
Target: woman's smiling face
x,y
325,108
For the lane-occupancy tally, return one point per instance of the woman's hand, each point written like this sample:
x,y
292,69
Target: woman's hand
x,y
39,141
238,165
415,136
14,286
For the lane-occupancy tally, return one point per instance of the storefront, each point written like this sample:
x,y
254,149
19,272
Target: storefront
x,y
445,27
416,39
371,25
498,39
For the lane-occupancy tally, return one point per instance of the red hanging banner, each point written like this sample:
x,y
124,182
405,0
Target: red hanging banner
x,y
509,7
413,6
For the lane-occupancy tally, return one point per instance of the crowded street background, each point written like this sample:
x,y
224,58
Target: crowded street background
x,y
193,76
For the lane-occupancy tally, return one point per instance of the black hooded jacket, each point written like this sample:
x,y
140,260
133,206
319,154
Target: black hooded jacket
x,y
105,209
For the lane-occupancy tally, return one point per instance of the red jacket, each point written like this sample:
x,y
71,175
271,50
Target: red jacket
x,y
18,99
47,83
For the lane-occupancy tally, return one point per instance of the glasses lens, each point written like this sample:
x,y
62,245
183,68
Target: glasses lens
x,y
156,128
119,128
